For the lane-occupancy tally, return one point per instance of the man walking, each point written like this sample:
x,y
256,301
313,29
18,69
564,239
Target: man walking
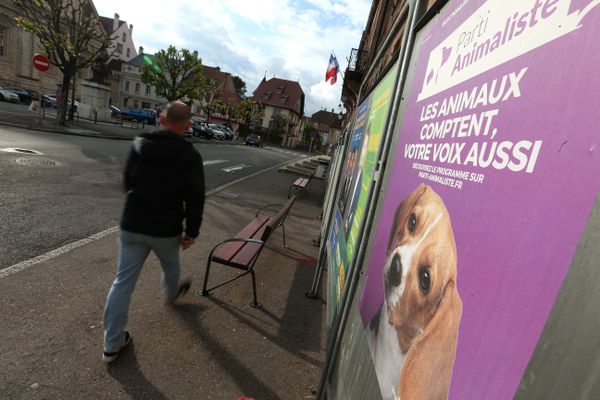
x,y
164,181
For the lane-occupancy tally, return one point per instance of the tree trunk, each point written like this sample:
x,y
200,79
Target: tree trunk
x,y
62,110
71,108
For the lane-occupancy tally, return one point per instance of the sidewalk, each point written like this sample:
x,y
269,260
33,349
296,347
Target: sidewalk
x,y
79,127
215,347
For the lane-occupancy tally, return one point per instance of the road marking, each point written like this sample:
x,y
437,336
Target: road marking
x,y
20,151
235,168
55,253
72,246
212,162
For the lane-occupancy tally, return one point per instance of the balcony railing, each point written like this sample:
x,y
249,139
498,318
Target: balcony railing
x,y
358,61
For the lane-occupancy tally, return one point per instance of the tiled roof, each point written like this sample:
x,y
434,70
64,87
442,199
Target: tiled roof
x,y
328,118
138,60
107,23
226,89
280,93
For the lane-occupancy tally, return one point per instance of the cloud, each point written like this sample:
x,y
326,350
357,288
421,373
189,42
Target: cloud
x,y
288,39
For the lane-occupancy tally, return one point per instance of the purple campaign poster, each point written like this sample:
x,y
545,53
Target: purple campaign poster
x,y
489,186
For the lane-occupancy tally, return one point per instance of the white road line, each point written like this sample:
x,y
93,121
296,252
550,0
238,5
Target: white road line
x,y
212,162
71,246
236,167
55,253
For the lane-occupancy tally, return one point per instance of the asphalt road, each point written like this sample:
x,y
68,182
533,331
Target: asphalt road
x,y
72,189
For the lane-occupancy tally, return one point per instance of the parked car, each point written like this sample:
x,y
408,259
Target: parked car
x,y
254,140
227,131
50,100
6,95
35,96
24,96
201,128
137,114
216,132
114,111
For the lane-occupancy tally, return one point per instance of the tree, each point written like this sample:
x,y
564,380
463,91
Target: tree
x,y
249,111
70,34
240,86
176,74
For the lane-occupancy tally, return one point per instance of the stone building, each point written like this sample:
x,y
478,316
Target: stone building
x,y
17,48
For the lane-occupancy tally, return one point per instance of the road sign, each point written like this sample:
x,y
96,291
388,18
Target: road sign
x,y
40,62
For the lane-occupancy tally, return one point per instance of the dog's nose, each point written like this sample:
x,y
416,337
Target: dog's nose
x,y
394,277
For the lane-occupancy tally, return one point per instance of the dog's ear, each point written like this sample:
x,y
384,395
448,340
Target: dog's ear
x,y
427,370
401,211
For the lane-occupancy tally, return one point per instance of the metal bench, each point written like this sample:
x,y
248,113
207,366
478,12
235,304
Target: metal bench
x,y
242,251
300,184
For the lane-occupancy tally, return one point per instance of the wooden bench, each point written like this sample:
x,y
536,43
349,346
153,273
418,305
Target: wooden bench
x,y
300,184
242,251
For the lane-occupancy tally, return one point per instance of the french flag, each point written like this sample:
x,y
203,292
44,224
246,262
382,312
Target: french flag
x,y
332,70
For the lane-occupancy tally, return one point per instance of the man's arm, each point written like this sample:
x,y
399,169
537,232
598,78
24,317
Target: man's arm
x,y
194,198
128,175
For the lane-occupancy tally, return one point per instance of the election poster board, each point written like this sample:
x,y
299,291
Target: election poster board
x,y
370,148
494,172
356,181
337,256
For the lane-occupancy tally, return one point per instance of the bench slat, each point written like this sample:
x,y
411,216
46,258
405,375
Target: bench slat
x,y
254,230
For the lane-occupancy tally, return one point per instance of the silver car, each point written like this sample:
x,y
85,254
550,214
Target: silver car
x,y
217,132
5,95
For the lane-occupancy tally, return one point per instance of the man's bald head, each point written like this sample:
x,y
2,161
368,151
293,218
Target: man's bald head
x,y
177,112
176,117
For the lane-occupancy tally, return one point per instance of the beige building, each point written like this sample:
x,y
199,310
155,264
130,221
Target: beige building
x,y
283,103
121,34
133,93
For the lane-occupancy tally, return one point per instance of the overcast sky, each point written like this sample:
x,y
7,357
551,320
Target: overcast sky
x,y
289,39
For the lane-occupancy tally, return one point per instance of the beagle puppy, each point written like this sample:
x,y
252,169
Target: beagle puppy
x,y
413,336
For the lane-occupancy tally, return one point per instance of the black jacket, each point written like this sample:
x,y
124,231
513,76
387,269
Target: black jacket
x,y
164,181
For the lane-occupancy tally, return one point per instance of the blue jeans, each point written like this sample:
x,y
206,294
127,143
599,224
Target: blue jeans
x,y
133,251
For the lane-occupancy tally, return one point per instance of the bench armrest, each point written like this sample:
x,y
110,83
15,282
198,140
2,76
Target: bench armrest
x,y
246,240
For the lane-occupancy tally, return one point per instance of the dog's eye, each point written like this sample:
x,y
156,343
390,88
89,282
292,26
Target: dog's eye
x,y
412,222
424,280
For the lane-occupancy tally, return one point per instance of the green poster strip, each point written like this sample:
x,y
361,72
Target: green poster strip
x,y
378,113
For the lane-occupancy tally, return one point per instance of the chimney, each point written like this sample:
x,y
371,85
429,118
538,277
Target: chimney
x,y
116,22
130,29
141,51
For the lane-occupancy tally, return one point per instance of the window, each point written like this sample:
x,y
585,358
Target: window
x,y
136,104
119,48
125,102
124,37
127,86
145,105
148,87
137,87
2,36
128,51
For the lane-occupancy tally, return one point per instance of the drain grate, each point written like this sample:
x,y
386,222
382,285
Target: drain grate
x,y
21,151
37,162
